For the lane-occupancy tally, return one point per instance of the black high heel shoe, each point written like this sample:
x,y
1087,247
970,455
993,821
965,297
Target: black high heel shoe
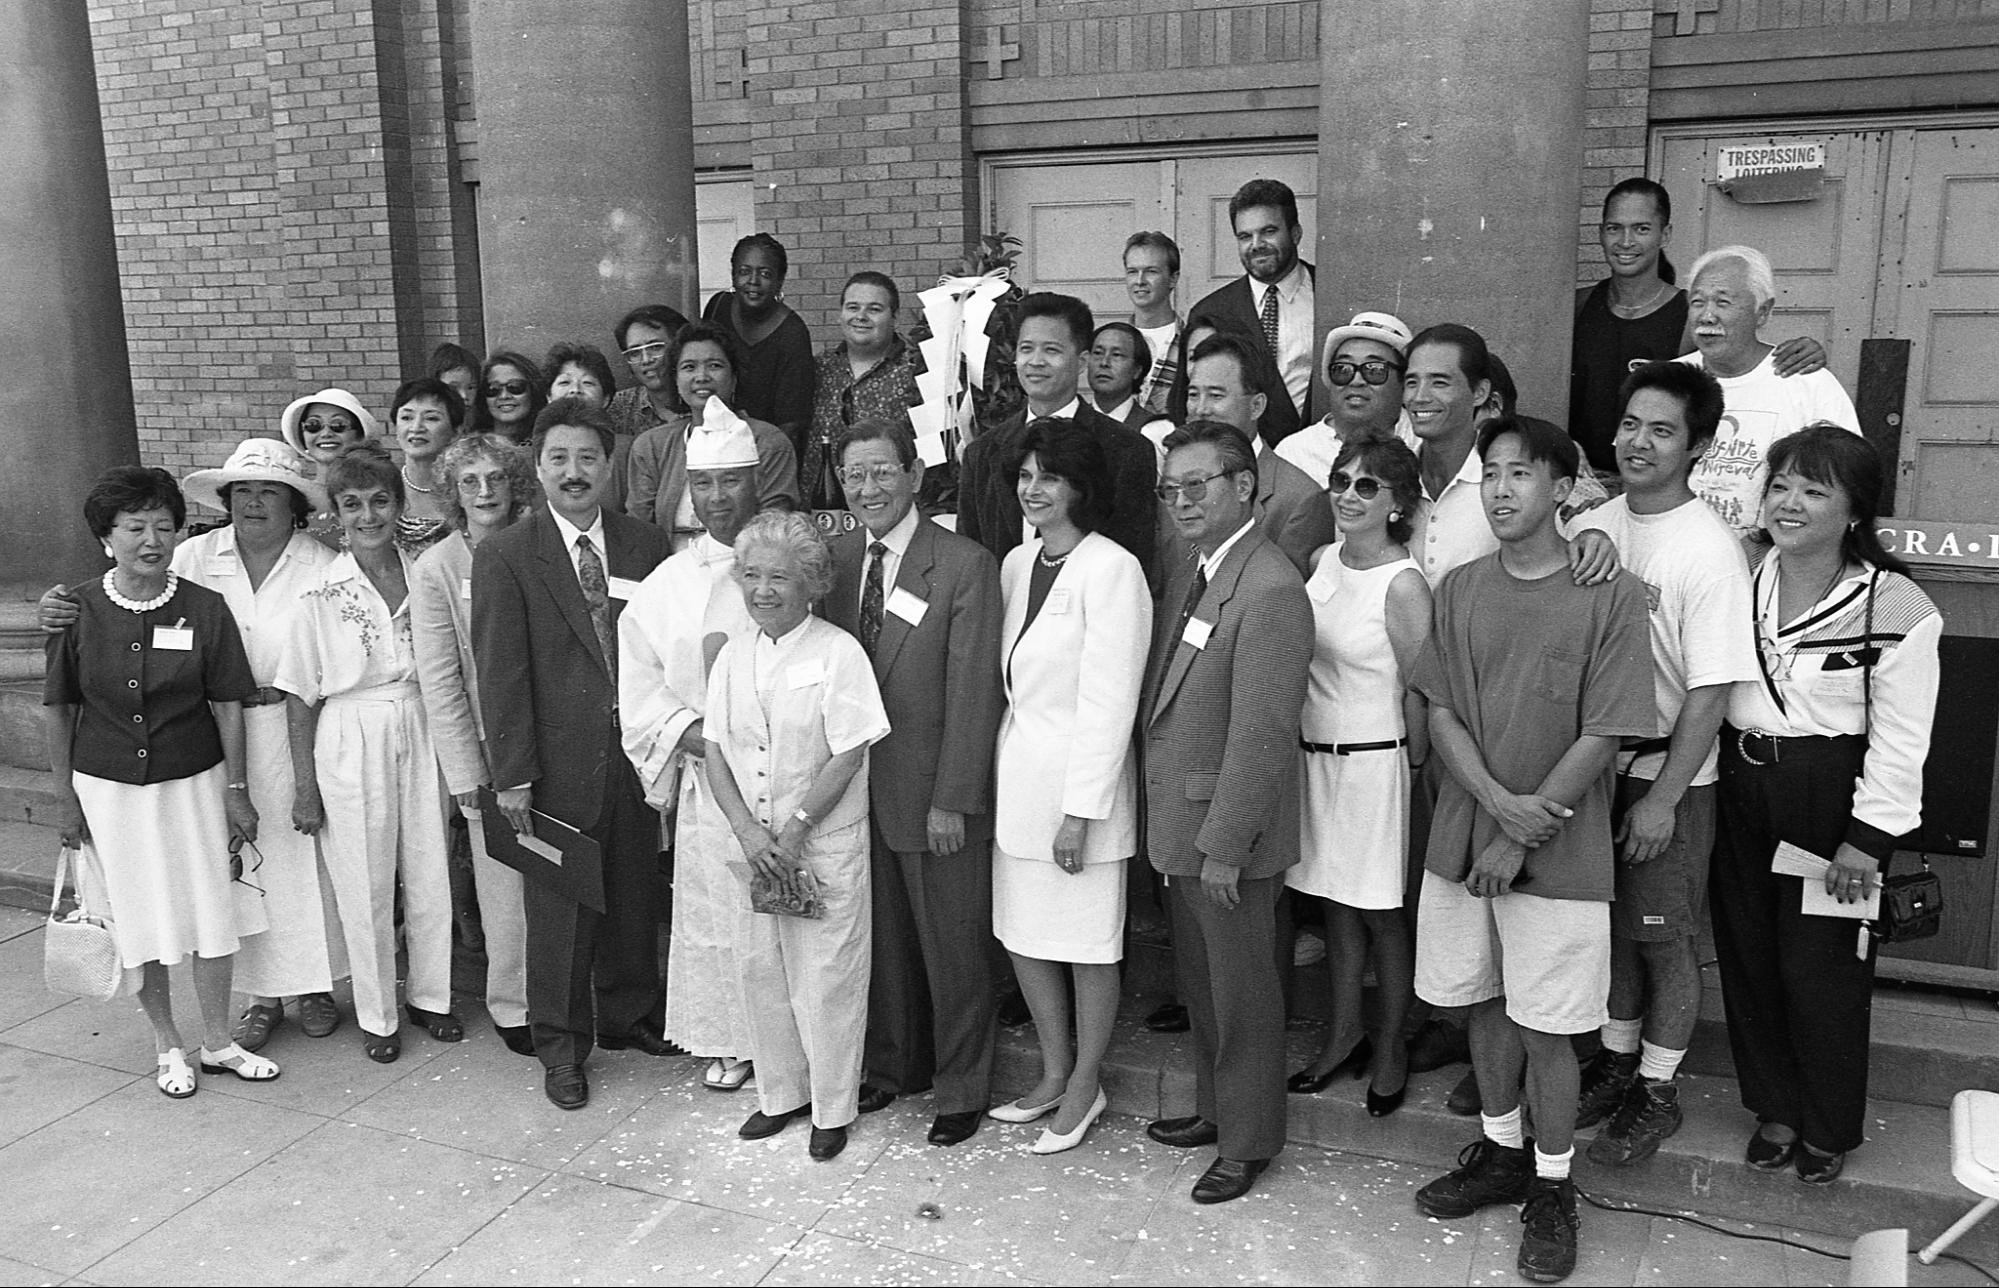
x,y
1306,1083
1380,1106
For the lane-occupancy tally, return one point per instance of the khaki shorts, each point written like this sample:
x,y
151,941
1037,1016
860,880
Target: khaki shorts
x,y
1549,958
1661,900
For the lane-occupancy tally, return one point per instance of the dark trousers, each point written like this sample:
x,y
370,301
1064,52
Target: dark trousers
x,y
1226,962
930,1001
1797,997
570,946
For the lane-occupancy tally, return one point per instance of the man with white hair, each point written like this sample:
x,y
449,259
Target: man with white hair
x,y
1730,294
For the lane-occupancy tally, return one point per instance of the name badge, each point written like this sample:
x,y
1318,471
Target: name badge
x,y
621,587
465,588
907,606
1197,632
180,639
1057,603
804,675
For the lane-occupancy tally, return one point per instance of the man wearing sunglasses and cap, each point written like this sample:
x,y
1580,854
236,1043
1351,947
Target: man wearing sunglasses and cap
x,y
1363,362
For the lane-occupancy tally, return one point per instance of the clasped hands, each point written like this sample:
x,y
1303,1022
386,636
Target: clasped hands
x,y
1525,821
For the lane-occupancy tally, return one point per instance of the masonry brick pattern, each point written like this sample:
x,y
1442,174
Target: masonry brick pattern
x,y
1615,99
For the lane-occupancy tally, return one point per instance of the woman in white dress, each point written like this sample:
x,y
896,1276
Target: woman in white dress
x,y
669,636
1363,731
1078,622
487,483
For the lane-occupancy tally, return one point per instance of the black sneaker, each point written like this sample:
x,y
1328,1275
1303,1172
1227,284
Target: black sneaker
x,y
1487,1173
1649,1114
1605,1076
1548,1244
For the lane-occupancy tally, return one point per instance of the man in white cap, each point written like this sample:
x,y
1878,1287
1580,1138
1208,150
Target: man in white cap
x,y
260,561
677,621
1363,362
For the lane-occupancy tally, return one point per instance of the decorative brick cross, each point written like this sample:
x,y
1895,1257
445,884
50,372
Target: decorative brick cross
x,y
1685,12
996,55
731,76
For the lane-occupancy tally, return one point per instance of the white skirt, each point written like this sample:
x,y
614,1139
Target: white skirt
x,y
303,951
1043,912
1354,828
162,850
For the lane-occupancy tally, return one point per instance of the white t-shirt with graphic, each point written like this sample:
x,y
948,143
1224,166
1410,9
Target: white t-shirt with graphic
x,y
1758,409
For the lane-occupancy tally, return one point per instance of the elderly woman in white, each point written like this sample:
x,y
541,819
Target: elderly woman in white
x,y
668,639
487,483
792,709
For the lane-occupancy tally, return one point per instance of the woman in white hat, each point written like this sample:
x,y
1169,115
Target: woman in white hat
x,y
259,562
319,427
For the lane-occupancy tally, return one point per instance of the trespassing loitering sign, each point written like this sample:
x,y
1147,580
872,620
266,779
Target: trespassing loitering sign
x,y
1767,156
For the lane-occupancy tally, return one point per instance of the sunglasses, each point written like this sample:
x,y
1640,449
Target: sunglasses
x,y
318,426
1365,488
239,872
1374,371
511,388
1196,490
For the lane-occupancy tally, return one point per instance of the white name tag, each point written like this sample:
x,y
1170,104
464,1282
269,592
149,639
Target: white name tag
x,y
907,606
1197,632
804,675
1057,603
465,588
180,639
623,587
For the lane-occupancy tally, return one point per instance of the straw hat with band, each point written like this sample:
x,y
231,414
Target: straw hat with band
x,y
255,460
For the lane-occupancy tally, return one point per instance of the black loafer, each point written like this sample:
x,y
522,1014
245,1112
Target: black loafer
x,y
1190,1132
1228,1178
1766,1155
518,1037
639,1038
955,1129
874,1099
1170,1017
566,1087
827,1142
760,1124
1818,1169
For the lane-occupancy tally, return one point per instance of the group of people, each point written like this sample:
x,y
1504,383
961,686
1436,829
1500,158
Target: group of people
x,y
1406,667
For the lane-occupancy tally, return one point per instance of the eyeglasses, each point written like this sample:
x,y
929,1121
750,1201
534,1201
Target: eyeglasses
x,y
853,476
1196,489
652,352
511,388
236,869
318,426
1365,488
1374,371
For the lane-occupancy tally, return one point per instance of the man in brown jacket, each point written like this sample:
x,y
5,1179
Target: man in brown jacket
x,y
1219,735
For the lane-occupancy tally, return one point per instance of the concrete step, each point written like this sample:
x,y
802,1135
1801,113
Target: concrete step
x,y
20,638
1900,1179
27,864
26,795
21,739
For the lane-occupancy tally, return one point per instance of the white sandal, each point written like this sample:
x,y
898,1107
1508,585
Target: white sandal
x,y
175,1078
728,1074
234,1059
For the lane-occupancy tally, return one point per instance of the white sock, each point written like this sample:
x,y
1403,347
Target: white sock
x,y
1658,1063
1505,1129
1621,1036
1553,1167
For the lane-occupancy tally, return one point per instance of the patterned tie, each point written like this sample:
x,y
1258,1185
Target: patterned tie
x,y
871,598
1270,318
1194,593
597,596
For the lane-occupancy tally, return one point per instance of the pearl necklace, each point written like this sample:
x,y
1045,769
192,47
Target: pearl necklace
x,y
1056,562
133,605
415,486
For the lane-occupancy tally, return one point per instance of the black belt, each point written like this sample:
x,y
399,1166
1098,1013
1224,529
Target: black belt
x,y
265,697
1646,746
1349,748
1758,748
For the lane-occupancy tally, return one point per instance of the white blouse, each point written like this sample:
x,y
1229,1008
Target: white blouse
x,y
345,639
263,613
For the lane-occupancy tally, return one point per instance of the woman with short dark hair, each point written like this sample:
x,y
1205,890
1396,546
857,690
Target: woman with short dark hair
x,y
868,375
776,368
426,415
144,722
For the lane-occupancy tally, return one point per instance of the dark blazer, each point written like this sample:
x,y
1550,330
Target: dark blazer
x,y
1291,510
1232,308
989,508
1218,725
940,682
548,699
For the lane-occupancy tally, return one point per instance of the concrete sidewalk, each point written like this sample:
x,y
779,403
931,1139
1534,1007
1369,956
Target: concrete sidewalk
x,y
450,1167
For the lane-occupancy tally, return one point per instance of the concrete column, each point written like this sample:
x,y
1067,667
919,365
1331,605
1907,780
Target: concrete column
x,y
586,166
67,416
1450,167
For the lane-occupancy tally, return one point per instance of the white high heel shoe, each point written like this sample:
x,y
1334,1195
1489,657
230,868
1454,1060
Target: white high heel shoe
x,y
1017,1111
1051,1143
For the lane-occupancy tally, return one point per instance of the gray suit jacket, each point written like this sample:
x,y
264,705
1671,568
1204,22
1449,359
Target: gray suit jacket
x,y
1219,723
940,682
1291,510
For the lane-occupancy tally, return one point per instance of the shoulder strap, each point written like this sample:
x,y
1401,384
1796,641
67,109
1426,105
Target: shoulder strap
x,y
62,878
1756,624
1867,654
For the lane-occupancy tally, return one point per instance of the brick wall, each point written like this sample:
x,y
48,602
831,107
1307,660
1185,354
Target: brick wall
x,y
858,140
1614,122
275,195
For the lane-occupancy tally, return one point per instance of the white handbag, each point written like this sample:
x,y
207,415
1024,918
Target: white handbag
x,y
79,950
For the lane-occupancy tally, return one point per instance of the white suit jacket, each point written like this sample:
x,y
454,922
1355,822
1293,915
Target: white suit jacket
x,y
1072,683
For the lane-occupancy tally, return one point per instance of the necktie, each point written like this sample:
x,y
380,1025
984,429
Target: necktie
x,y
1270,319
597,597
871,598
1194,593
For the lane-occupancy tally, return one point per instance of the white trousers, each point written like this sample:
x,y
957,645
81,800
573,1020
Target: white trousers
x,y
503,918
384,823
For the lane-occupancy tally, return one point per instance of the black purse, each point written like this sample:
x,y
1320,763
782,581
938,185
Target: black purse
x,y
1911,904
